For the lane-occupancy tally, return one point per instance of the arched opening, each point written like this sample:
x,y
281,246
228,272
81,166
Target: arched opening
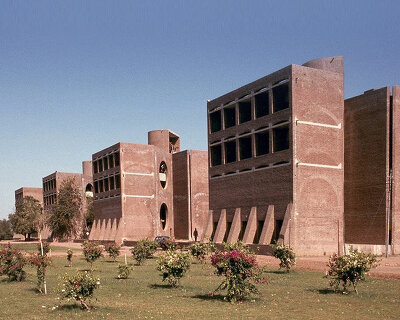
x,y
163,174
163,215
89,190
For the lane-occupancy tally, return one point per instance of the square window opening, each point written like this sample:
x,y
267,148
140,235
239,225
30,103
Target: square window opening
x,y
230,117
216,155
281,138
215,121
262,104
230,151
244,111
262,143
281,97
245,148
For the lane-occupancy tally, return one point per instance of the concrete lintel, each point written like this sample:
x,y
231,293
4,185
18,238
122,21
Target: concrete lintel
x,y
235,228
221,227
251,227
269,225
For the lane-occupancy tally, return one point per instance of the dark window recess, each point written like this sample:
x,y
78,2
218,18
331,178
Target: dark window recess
x,y
100,165
277,230
244,111
216,155
230,117
117,181
111,161
245,148
215,225
260,226
242,230
215,121
228,228
116,158
112,187
262,143
281,97
105,162
101,189
262,104
163,215
95,168
96,187
281,138
106,188
230,151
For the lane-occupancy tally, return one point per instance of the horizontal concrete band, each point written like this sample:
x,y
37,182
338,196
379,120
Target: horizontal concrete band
x,y
138,196
339,126
138,174
339,166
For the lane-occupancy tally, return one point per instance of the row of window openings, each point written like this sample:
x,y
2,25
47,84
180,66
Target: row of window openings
x,y
256,239
107,184
49,200
262,146
107,162
49,185
280,98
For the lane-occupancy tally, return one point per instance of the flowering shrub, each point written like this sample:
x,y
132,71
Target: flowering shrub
x,y
12,262
92,251
112,249
240,246
79,287
285,254
173,266
70,253
168,244
41,262
349,269
240,271
199,250
46,247
124,271
143,249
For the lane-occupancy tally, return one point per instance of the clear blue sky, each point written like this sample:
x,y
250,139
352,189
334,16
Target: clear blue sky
x,y
78,76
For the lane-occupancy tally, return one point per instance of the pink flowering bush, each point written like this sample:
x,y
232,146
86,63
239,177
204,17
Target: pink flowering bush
x,y
349,269
240,271
168,244
79,287
113,250
41,262
92,251
12,262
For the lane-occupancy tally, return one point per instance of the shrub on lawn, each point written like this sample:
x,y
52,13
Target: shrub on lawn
x,y
168,244
46,247
349,269
285,254
241,273
79,287
70,253
143,249
113,250
173,266
12,262
199,250
124,271
92,251
239,245
41,262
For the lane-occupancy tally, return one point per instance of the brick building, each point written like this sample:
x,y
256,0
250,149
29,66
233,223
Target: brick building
x,y
142,191
23,192
53,182
372,153
276,159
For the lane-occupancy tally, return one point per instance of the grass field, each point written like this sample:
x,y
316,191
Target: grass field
x,y
298,295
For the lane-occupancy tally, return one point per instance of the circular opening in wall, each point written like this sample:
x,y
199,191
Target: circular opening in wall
x,y
163,215
162,174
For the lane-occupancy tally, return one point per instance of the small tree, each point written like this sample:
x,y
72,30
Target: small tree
x,y
143,249
41,261
70,253
25,218
285,254
168,244
199,250
349,269
113,250
64,218
124,271
173,266
12,262
79,287
92,251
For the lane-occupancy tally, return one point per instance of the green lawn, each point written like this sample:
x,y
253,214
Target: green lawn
x,y
298,295
32,247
